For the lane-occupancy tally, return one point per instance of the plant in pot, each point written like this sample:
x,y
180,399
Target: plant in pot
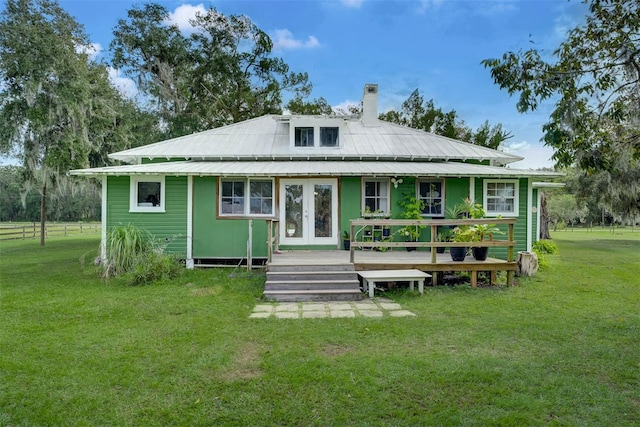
x,y
346,240
444,235
482,232
413,208
461,234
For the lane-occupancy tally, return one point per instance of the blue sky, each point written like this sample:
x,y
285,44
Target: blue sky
x,y
433,45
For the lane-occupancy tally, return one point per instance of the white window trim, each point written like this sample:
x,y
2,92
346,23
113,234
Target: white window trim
x,y
133,193
516,197
364,196
247,198
442,196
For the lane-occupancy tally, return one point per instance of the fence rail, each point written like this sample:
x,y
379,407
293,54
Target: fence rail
x,y
32,231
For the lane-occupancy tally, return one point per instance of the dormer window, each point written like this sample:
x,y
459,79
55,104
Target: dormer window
x,y
304,137
329,136
315,132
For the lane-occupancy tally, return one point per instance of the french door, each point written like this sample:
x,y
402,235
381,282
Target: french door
x,y
309,211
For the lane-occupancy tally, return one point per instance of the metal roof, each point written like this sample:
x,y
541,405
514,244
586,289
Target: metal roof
x,y
314,168
268,137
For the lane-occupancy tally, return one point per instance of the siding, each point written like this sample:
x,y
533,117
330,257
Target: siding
x,y
520,228
350,201
221,238
170,226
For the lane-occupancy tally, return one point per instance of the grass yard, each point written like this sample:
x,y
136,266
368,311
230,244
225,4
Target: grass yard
x,y
562,348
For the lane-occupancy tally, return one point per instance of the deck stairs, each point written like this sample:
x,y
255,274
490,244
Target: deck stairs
x,y
335,282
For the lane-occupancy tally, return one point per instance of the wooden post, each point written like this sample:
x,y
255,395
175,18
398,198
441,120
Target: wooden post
x,y
351,247
269,240
250,246
527,263
433,239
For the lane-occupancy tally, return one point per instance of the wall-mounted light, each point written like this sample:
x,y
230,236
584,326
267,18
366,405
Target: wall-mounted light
x,y
396,181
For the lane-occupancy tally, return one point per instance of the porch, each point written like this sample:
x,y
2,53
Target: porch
x,y
396,259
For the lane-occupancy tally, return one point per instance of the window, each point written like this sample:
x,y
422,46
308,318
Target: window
x,y
376,195
236,200
146,194
501,197
431,192
304,137
328,137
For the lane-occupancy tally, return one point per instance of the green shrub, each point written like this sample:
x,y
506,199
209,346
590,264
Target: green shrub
x,y
153,267
125,243
542,259
545,247
137,257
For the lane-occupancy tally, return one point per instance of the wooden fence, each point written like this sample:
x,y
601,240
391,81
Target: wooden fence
x,y
32,230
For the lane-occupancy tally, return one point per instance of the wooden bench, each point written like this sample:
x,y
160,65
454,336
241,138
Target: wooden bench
x,y
371,277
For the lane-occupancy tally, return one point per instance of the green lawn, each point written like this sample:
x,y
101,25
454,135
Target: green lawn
x,y
562,348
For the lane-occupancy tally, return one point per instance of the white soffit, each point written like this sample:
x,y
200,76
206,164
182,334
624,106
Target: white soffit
x,y
314,168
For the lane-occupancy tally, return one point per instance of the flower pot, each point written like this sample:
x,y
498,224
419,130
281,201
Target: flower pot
x,y
386,232
347,244
411,248
480,253
440,250
458,254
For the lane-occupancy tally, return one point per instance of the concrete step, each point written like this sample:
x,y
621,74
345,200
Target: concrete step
x,y
314,295
312,284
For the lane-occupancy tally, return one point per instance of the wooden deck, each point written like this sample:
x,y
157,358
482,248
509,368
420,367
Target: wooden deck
x,y
395,260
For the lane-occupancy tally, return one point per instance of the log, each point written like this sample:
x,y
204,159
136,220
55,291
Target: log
x,y
527,264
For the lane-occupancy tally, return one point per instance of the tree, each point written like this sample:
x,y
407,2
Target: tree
x,y
221,73
318,106
56,106
594,81
418,114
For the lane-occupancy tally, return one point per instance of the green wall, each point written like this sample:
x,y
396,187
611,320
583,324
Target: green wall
x,y
350,202
520,228
222,238
170,225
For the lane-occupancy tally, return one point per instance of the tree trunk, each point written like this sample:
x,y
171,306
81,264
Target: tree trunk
x,y
43,212
544,217
527,263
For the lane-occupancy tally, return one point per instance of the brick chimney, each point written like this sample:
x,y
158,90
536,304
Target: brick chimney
x,y
370,105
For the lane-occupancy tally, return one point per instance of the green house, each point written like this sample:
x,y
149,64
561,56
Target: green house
x,y
214,195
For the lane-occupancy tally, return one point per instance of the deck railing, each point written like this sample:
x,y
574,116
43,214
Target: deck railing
x,y
358,228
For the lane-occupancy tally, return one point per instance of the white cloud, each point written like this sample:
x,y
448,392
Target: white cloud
x,y
428,4
354,4
536,155
283,39
125,85
92,51
343,107
182,14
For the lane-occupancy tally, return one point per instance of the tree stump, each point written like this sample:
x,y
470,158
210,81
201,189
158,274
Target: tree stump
x,y
527,264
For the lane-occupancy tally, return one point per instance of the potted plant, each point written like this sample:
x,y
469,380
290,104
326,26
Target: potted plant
x,y
346,240
464,234
444,235
413,208
480,233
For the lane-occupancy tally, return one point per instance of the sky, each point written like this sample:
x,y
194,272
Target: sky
x,y
435,46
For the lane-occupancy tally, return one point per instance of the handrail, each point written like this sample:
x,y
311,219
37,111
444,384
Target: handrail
x,y
509,243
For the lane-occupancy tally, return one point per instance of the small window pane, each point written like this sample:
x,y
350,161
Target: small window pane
x,y
148,194
432,196
304,137
328,137
261,197
232,198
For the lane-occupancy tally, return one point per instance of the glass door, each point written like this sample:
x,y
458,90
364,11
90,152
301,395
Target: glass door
x,y
309,212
